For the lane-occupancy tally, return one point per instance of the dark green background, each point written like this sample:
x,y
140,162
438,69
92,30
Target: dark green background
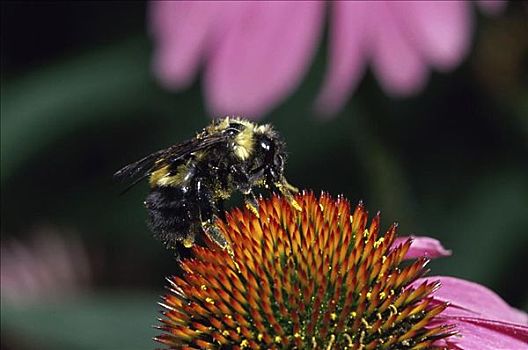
x,y
78,101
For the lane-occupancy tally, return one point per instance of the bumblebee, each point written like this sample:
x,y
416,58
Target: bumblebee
x,y
190,181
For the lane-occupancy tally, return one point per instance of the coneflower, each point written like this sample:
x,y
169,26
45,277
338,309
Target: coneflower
x,y
316,278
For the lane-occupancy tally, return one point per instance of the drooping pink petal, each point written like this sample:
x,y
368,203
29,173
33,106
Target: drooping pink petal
x,y
423,246
482,318
485,335
440,30
262,57
399,67
181,31
469,299
347,54
492,7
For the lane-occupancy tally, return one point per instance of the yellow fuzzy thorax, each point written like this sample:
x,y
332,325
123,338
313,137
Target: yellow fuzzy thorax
x,y
245,141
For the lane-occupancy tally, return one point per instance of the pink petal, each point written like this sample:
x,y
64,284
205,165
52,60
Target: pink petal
x,y
423,246
485,335
492,7
398,65
180,31
439,30
347,55
469,299
482,318
262,57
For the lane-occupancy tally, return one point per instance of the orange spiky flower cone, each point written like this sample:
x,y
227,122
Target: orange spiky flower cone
x,y
318,278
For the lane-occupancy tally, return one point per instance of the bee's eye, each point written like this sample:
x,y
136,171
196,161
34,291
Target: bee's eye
x,y
232,131
265,144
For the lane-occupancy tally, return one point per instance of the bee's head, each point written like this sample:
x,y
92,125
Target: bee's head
x,y
258,146
272,153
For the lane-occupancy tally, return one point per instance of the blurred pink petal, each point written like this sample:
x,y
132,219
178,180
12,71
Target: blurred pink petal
x,y
482,318
347,55
262,57
256,53
50,266
439,30
492,7
180,30
398,65
19,283
423,246
401,39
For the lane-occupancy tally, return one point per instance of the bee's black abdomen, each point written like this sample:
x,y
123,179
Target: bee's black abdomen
x,y
170,214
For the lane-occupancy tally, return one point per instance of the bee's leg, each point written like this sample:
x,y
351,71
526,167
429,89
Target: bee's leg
x,y
245,185
207,215
189,226
251,202
189,236
287,190
289,186
214,234
205,212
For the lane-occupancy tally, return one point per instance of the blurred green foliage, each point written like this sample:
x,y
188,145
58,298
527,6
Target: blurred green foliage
x,y
449,163
117,320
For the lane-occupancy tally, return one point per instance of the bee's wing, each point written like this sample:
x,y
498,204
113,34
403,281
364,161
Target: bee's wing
x,y
183,150
139,168
137,171
144,167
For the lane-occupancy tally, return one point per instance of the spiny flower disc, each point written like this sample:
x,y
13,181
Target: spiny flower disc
x,y
317,277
